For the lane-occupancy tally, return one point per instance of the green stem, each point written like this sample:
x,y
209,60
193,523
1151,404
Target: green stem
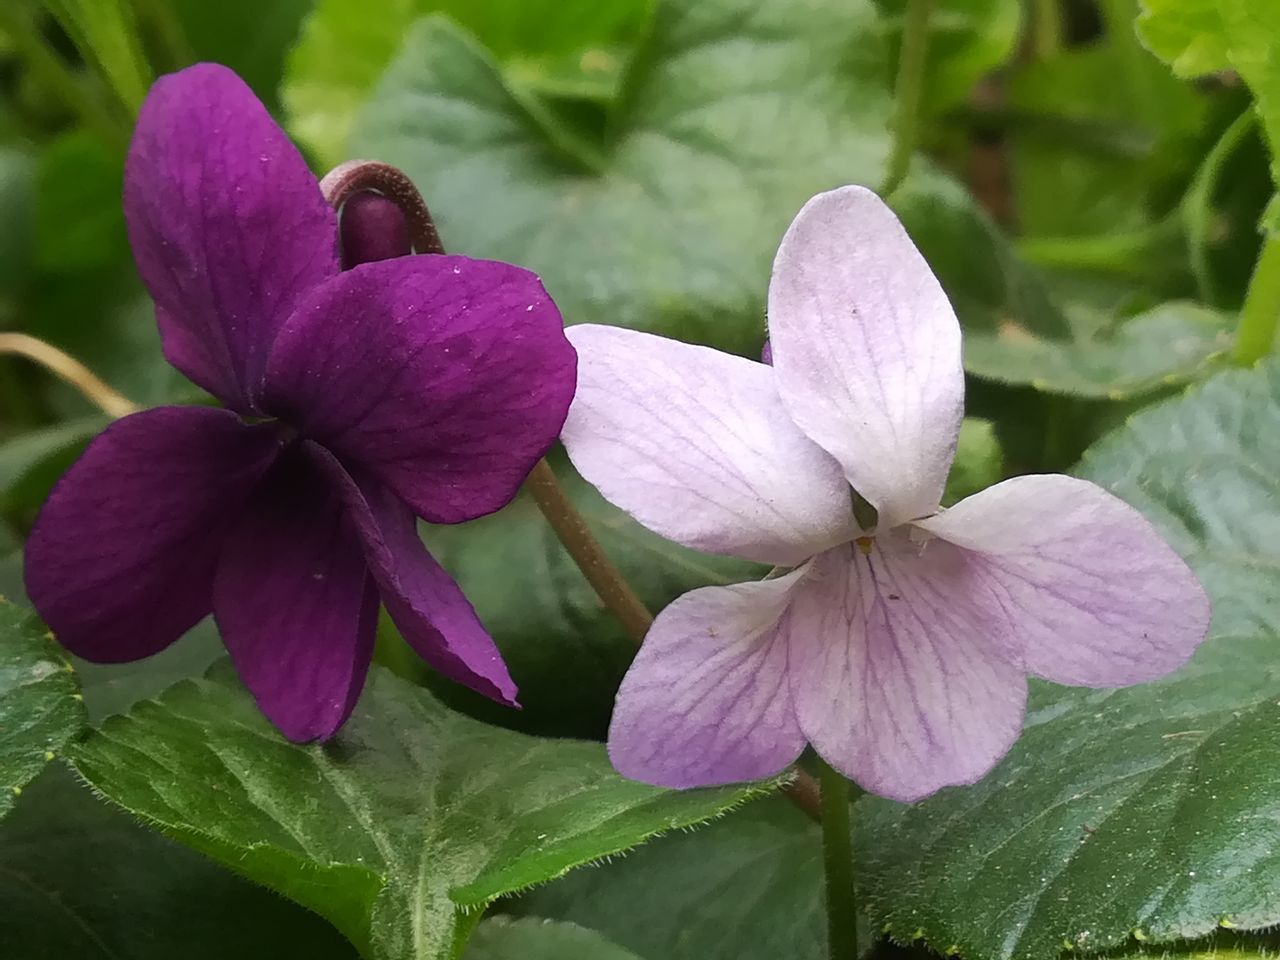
x,y
1260,314
1197,204
1117,253
1047,23
908,92
837,858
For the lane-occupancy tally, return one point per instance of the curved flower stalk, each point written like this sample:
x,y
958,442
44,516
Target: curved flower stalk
x,y
354,400
898,649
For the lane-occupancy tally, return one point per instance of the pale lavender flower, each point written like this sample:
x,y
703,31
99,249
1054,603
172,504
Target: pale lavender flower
x,y
899,652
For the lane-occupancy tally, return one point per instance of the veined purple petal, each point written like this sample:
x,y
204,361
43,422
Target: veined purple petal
x,y
227,224
427,606
446,378
121,559
695,445
295,603
706,700
896,681
867,351
1092,595
372,228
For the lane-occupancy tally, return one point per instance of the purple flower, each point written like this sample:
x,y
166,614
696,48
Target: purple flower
x,y
420,386
899,652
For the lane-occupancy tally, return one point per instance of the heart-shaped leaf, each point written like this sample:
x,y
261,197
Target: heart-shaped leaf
x,y
40,704
1147,811
664,211
747,887
534,939
80,879
401,829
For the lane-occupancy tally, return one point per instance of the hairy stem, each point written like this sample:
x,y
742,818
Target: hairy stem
x,y
570,528
908,92
1260,315
837,859
70,370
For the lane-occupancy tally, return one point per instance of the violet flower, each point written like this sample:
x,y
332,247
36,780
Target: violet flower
x,y
900,652
422,386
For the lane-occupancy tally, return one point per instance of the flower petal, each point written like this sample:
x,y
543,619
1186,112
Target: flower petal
x,y
895,681
227,224
867,350
706,700
1091,593
295,603
695,445
447,378
427,606
121,559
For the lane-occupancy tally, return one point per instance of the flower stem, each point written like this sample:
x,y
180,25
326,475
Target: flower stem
x,y
1256,332
570,528
70,370
837,858
908,91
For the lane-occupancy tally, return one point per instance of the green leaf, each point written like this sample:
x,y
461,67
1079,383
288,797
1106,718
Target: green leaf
x,y
978,462
565,651
967,40
79,216
748,887
251,37
24,458
409,819
40,704
17,213
106,34
83,880
666,217
1147,809
1171,345
1186,34
1253,37
533,939
566,46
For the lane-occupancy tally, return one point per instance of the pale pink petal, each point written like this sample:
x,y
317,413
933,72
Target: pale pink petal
x,y
895,680
867,350
706,701
1091,593
695,445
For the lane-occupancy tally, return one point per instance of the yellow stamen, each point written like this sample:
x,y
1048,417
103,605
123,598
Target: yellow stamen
x,y
865,544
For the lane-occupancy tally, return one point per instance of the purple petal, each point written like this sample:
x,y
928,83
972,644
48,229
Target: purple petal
x,y
427,606
695,445
227,224
706,700
295,603
867,351
372,228
1090,592
121,559
446,378
897,683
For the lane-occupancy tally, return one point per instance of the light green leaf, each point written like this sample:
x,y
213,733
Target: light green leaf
x,y
27,455
565,651
40,704
1171,345
83,881
666,217
1147,809
978,462
17,213
107,36
533,939
407,821
1186,34
1253,41
748,887
575,47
